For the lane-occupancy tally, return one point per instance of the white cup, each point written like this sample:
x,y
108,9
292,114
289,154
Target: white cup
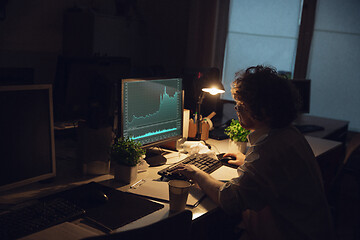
x,y
178,194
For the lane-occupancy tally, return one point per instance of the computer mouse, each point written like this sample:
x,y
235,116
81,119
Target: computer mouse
x,y
155,161
225,159
97,196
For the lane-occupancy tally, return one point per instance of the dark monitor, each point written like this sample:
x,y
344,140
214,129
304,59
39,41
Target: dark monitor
x,y
303,87
151,110
26,135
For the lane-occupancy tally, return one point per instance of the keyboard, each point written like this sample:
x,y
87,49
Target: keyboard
x,y
202,161
38,216
309,128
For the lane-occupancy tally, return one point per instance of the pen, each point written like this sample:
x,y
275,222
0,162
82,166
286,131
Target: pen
x,y
138,183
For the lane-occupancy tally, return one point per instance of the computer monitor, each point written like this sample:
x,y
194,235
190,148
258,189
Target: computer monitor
x,y
26,135
151,110
303,87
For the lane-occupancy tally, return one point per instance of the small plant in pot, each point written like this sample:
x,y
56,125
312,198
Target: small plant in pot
x,y
126,154
238,136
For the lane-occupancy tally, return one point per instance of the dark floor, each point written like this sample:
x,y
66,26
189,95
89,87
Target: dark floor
x,y
348,220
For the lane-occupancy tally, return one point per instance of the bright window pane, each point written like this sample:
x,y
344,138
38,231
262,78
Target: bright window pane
x,y
334,62
247,50
275,17
261,32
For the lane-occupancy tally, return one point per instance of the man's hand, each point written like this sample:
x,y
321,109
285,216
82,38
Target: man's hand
x,y
187,170
207,183
239,158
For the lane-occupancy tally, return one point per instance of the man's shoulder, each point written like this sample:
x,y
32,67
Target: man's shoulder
x,y
281,141
286,135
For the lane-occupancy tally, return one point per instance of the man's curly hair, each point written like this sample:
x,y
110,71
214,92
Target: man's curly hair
x,y
270,97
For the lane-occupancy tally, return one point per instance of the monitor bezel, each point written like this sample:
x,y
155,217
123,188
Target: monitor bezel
x,y
156,143
51,174
303,86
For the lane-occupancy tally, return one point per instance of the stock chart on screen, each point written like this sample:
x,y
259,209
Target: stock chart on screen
x,y
152,109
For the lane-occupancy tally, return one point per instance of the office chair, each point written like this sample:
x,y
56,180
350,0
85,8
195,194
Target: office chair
x,y
174,227
350,166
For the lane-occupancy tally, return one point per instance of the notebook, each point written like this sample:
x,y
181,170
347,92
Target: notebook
x,y
121,208
159,190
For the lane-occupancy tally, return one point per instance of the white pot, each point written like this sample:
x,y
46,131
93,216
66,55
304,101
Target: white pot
x,y
235,147
125,174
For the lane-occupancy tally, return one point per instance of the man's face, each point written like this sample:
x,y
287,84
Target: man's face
x,y
245,118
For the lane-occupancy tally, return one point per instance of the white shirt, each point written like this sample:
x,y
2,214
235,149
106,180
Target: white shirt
x,y
279,191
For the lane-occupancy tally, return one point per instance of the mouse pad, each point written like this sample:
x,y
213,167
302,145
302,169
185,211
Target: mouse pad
x,y
120,209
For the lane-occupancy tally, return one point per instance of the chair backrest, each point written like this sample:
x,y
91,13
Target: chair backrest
x,y
174,227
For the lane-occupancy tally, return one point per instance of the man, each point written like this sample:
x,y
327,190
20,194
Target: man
x,y
279,190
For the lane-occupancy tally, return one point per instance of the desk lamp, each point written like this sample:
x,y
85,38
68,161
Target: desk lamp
x,y
212,86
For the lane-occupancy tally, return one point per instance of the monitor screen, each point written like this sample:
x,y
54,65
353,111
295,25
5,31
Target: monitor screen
x,y
304,87
26,135
152,110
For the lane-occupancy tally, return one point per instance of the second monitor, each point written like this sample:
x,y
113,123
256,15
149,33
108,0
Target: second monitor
x,y
151,110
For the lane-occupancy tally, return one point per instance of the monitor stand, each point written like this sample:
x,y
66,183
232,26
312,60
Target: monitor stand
x,y
154,157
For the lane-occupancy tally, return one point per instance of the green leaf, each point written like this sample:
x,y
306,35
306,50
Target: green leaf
x,y
126,151
236,132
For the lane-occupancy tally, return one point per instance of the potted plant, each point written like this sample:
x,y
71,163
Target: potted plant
x,y
126,154
238,136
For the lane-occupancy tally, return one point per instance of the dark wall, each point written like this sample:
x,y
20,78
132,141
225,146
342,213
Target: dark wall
x,y
153,33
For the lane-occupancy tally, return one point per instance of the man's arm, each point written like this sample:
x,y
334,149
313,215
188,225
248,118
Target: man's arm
x,y
208,184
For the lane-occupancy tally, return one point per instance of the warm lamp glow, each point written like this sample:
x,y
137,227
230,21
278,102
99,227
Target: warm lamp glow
x,y
213,91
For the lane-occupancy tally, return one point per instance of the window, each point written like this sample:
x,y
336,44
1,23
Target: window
x,y
261,32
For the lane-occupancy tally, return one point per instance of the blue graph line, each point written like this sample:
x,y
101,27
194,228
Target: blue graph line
x,y
154,133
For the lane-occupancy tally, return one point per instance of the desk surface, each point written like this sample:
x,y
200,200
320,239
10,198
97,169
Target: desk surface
x,y
333,129
319,147
36,190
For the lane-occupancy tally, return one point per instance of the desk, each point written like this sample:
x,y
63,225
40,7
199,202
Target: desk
x,y
320,147
333,129
200,213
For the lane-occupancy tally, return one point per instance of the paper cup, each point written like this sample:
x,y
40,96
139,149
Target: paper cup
x,y
178,194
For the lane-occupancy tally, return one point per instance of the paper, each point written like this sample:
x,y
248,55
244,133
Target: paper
x,y
160,190
225,173
63,231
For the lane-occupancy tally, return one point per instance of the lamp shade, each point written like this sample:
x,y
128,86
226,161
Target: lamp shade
x,y
197,83
212,83
213,91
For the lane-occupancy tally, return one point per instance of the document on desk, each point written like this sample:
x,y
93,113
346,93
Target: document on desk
x,y
225,173
159,190
63,231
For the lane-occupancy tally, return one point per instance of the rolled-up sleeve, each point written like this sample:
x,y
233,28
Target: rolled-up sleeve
x,y
243,192
229,199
